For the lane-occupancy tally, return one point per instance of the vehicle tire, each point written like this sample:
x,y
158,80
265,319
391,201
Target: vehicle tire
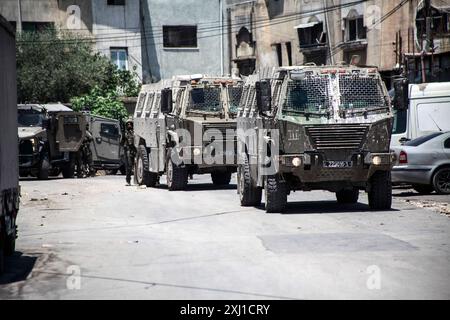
x,y
248,193
142,175
347,196
54,172
220,178
275,190
441,181
122,170
380,193
23,173
423,188
68,170
44,167
177,176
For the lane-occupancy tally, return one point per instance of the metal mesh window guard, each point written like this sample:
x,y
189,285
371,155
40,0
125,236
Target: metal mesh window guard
x,y
235,94
308,95
205,99
360,92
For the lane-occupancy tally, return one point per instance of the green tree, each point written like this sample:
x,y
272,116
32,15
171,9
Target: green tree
x,y
62,66
56,66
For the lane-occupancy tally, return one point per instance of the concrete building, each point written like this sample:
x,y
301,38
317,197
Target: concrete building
x,y
270,33
112,25
183,37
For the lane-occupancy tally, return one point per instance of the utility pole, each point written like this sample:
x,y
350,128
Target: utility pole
x,y
428,16
325,7
19,17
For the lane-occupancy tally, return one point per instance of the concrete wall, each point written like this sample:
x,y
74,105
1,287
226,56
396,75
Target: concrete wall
x,y
59,12
160,62
9,163
118,26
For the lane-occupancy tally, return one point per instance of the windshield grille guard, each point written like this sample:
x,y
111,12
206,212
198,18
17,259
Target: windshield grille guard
x,y
342,137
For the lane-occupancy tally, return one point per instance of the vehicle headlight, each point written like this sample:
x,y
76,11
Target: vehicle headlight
x,y
197,151
376,160
35,144
297,162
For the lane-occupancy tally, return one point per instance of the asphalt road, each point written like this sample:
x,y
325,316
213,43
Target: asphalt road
x,y
98,239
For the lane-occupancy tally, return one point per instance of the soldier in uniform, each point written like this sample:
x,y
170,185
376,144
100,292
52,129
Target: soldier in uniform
x,y
129,148
87,153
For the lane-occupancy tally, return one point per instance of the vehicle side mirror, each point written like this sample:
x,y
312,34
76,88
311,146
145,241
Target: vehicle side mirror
x,y
166,101
401,98
263,96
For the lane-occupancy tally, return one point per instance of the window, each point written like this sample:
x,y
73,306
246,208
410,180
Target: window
x,y
400,121
355,29
421,140
119,56
36,26
116,2
447,144
289,53
109,130
312,36
279,54
180,36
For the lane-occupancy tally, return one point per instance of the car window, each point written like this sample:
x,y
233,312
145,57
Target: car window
x,y
421,140
109,129
447,144
400,117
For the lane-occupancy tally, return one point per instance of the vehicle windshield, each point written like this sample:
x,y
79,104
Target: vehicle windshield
x,y
29,118
361,92
310,95
421,140
313,94
235,94
205,100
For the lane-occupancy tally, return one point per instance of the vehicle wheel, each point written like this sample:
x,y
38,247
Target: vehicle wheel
x,y
177,176
44,167
423,188
68,171
380,193
122,170
248,193
221,178
347,196
441,181
23,174
54,172
275,190
143,176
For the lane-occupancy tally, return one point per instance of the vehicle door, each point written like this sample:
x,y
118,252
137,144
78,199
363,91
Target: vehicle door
x,y
447,146
106,140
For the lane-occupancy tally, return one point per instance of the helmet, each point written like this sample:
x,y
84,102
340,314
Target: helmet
x,y
129,120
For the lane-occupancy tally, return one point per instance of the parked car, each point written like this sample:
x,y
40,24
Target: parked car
x,y
424,163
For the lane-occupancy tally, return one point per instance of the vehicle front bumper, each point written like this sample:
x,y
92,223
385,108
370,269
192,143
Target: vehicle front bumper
x,y
311,167
412,174
203,156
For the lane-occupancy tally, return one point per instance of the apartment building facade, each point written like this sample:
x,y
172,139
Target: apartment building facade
x,y
388,34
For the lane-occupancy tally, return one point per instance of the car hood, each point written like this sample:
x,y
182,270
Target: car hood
x,y
29,132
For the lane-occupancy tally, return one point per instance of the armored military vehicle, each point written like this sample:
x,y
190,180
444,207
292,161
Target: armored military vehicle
x,y
49,137
9,169
315,128
107,153
186,126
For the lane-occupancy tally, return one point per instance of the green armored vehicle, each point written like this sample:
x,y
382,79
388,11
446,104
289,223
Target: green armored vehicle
x,y
186,126
315,128
49,137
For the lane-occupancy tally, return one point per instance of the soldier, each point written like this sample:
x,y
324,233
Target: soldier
x,y
130,149
87,153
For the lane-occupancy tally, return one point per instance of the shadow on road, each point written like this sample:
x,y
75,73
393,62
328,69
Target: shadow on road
x,y
17,268
325,207
201,187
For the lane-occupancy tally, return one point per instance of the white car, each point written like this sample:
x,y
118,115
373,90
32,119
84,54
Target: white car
x,y
424,163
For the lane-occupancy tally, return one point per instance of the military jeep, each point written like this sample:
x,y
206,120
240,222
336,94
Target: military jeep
x,y
186,126
315,128
49,137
